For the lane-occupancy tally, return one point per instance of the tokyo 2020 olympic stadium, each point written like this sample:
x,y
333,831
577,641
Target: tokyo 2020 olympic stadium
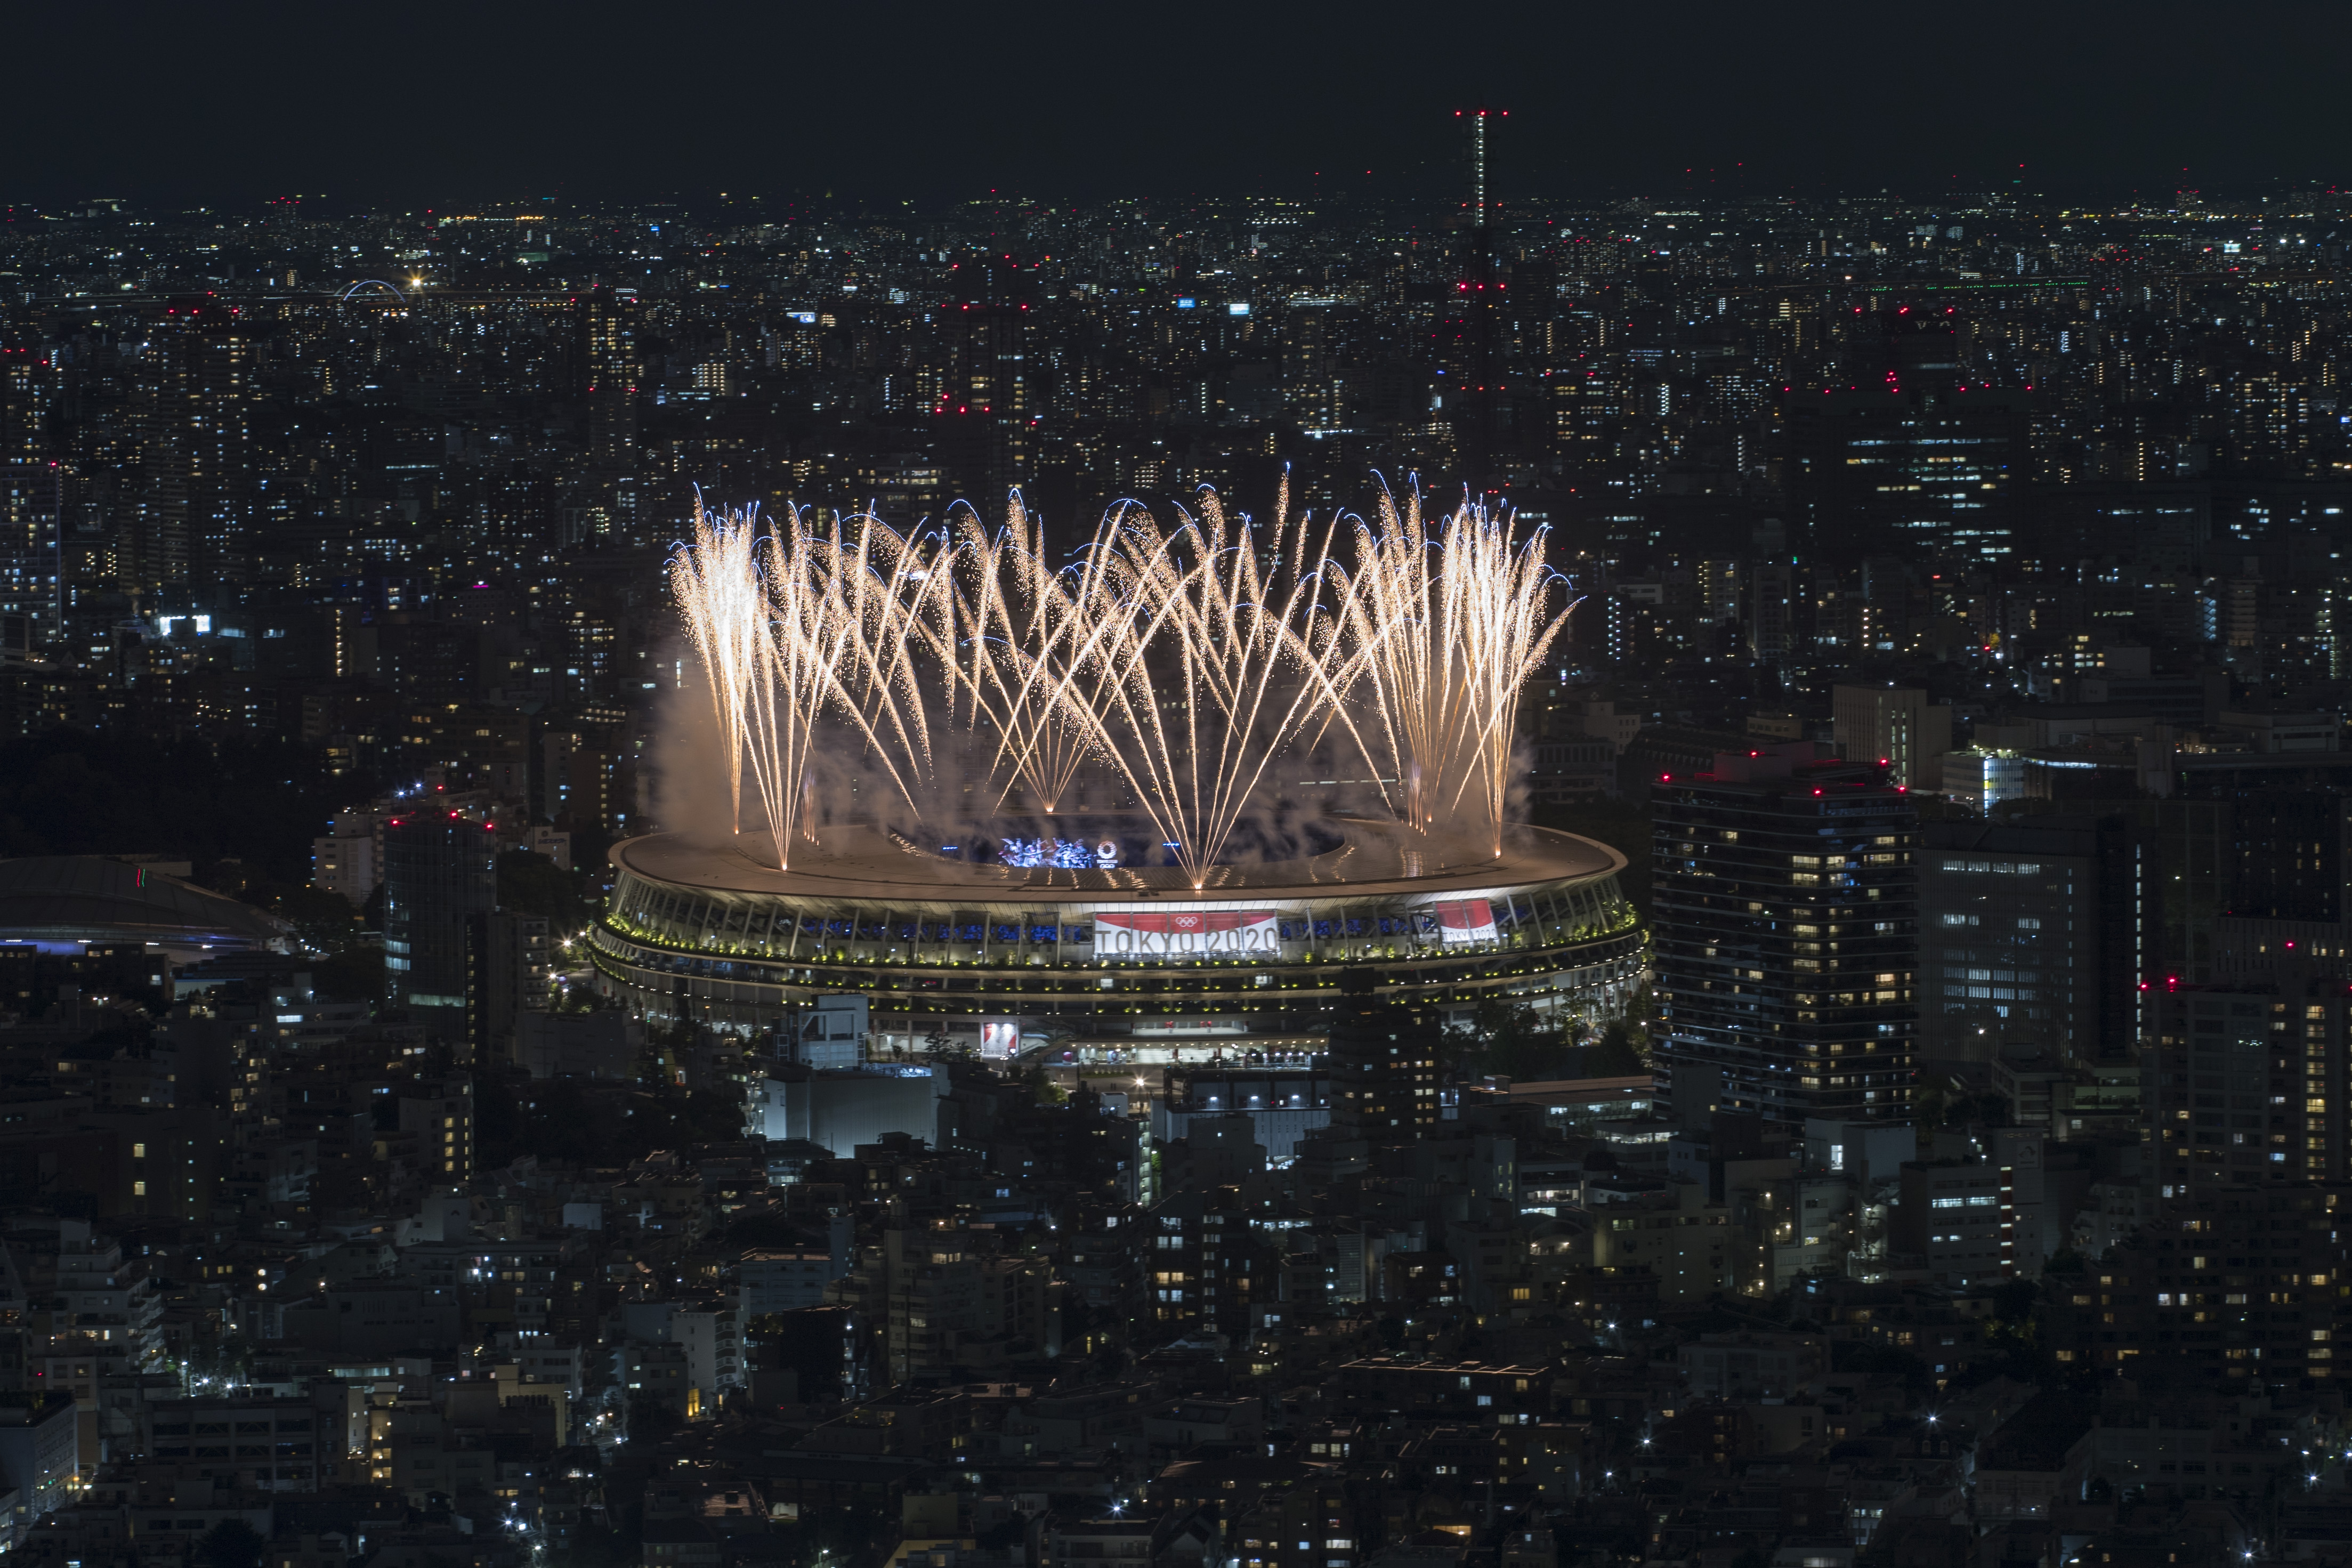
x,y
1111,964
1077,824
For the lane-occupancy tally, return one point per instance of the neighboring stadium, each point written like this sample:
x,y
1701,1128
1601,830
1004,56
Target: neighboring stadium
x,y
64,902
1078,951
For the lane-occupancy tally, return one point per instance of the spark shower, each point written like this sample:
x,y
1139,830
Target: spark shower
x,y
1184,655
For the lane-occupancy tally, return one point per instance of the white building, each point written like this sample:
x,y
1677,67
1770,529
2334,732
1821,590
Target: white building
x,y
832,1031
350,861
839,1111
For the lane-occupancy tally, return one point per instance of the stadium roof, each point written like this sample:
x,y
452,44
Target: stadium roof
x,y
861,861
89,898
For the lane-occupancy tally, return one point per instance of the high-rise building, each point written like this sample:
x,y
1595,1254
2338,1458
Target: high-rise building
x,y
2228,1283
2293,870
1973,1220
1895,726
582,776
1934,473
2245,1083
196,404
1786,937
610,366
441,1117
1770,598
925,1294
982,423
2250,875
39,1451
349,859
1981,779
32,504
1312,386
439,873
608,327
515,969
2033,938
1384,1063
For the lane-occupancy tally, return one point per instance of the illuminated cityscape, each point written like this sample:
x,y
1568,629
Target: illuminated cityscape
x,y
1597,816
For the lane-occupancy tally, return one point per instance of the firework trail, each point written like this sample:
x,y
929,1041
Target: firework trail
x,y
1210,644
1442,630
716,579
1015,660
885,605
1186,657
794,625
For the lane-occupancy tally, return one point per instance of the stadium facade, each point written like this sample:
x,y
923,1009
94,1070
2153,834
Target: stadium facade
x,y
1109,962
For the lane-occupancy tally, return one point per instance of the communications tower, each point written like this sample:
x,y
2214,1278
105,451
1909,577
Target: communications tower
x,y
1479,290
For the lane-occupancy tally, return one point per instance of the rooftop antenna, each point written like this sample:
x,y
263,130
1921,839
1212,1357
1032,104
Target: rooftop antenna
x,y
1481,287
1479,162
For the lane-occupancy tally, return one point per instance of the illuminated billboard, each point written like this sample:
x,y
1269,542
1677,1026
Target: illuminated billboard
x,y
1464,919
1186,933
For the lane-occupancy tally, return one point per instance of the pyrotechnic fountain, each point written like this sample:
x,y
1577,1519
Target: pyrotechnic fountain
x,y
1441,634
1184,656
1003,796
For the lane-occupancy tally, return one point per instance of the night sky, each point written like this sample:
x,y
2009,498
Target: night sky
x,y
402,105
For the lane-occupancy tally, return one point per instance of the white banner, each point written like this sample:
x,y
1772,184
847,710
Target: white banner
x,y
1185,933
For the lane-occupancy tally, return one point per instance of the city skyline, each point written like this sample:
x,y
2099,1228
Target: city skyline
x,y
945,819
1064,104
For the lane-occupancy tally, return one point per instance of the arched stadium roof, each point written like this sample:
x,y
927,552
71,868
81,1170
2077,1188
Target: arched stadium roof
x,y
90,897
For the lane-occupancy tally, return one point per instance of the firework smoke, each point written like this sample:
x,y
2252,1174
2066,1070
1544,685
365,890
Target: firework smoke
x,y
1184,658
